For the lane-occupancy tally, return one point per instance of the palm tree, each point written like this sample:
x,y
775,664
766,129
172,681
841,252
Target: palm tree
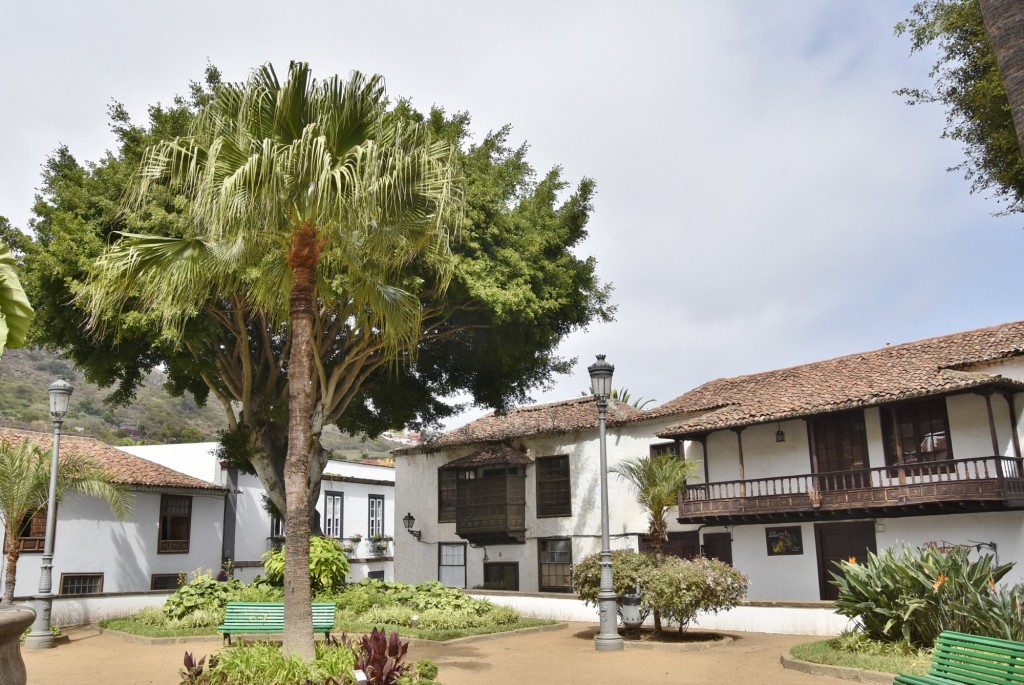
x,y
15,310
1004,22
622,395
309,201
656,481
24,490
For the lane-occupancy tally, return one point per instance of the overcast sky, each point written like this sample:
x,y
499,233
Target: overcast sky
x,y
764,199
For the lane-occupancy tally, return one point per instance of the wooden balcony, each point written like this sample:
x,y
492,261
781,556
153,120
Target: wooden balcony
x,y
959,485
492,510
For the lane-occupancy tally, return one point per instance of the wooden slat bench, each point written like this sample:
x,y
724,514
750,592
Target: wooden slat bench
x,y
961,659
244,618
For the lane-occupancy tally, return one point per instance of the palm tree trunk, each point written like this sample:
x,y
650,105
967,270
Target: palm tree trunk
x,y
1004,21
11,572
298,616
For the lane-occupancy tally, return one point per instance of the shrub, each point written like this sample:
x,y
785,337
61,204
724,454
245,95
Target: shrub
x,y
391,614
328,565
1003,614
452,619
629,570
381,658
262,663
681,588
202,592
914,594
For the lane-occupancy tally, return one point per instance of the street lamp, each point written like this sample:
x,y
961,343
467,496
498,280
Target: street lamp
x,y
608,638
41,637
409,521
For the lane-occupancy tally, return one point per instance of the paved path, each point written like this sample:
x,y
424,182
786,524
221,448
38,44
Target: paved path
x,y
565,655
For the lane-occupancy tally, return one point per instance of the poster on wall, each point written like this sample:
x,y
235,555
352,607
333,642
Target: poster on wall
x,y
788,540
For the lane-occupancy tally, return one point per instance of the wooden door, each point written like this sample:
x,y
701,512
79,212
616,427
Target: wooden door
x,y
841,542
718,546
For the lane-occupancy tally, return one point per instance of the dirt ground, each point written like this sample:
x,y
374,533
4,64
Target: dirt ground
x,y
564,655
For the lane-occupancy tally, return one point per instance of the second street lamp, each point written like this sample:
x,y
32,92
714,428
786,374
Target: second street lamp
x,y
608,638
41,637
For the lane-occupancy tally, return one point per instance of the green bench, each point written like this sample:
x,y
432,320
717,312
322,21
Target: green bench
x,y
249,618
961,659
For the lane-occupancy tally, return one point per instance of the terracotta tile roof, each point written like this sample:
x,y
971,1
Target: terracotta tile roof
x,y
124,468
897,372
489,456
553,418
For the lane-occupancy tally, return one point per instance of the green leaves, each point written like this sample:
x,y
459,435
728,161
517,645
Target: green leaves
x,y
328,565
15,311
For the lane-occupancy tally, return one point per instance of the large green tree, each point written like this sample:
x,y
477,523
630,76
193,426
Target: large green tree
x,y
307,201
967,82
516,290
25,488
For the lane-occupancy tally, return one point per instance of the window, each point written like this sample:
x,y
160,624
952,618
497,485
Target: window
x,y
840,442
166,581
553,491
555,565
917,431
376,523
276,533
451,565
661,448
447,494
33,532
375,575
81,583
333,510
501,575
175,524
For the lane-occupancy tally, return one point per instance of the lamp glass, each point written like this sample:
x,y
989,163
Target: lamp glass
x,y
409,521
60,398
601,377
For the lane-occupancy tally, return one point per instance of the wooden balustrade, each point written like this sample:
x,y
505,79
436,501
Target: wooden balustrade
x,y
974,479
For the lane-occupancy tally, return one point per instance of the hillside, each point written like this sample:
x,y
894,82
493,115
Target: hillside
x,y
153,418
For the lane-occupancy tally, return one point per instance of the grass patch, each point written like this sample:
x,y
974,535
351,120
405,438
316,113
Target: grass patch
x,y
130,625
147,629
823,652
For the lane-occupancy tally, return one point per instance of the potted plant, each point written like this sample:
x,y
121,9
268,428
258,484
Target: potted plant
x,y
380,544
352,544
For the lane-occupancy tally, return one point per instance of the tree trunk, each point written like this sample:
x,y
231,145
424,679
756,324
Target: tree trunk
x,y
298,616
1004,22
11,572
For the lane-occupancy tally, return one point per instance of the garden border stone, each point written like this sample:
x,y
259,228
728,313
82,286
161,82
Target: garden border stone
x,y
844,672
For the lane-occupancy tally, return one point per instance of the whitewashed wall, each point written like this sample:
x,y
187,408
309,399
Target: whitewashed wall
x,y
89,539
416,488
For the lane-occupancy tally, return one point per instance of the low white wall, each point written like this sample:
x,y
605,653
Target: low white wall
x,y
76,611
796,619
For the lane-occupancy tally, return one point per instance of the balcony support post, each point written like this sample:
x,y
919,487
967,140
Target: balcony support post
x,y
991,423
1014,437
739,448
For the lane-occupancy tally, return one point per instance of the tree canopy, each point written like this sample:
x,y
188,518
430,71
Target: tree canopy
x,y
15,311
967,82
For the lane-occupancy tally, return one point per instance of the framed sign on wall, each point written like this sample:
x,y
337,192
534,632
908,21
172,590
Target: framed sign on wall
x,y
781,541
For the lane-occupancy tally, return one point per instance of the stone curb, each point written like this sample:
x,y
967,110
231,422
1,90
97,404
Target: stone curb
x,y
143,640
681,646
846,673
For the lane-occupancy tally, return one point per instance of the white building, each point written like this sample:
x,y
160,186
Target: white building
x,y
511,502
916,443
190,513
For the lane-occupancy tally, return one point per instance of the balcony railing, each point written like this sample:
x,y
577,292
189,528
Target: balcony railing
x,y
977,482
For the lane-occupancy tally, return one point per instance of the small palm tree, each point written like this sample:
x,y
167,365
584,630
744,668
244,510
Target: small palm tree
x,y
657,481
24,489
622,395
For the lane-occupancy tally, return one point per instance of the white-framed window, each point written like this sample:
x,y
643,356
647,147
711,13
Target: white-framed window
x,y
451,564
333,514
375,525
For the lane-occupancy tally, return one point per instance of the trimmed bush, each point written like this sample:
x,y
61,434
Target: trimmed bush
x,y
328,565
678,589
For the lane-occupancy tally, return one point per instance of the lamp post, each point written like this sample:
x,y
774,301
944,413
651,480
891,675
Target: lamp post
x,y
608,638
41,637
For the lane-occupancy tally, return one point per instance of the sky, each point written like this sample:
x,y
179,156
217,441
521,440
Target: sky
x,y
764,199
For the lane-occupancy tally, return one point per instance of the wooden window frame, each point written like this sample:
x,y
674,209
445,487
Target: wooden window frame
x,y
464,565
659,448
165,544
75,577
504,565
551,482
898,414
847,431
156,577
541,542
447,494
370,527
33,544
339,514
